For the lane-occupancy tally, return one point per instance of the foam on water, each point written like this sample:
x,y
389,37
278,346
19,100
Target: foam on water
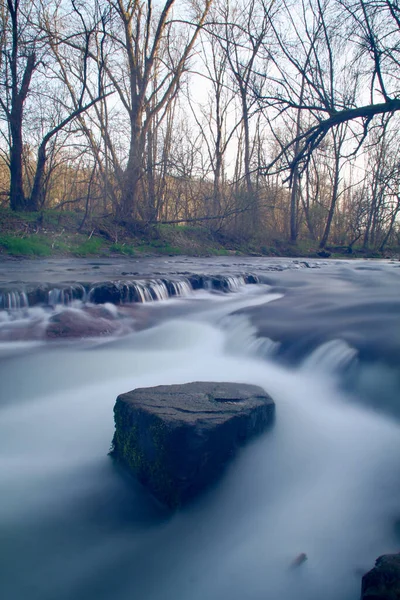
x,y
324,481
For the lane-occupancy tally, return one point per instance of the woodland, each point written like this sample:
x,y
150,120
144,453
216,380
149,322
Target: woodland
x,y
262,119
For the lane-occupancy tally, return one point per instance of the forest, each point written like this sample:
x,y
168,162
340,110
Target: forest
x,y
262,119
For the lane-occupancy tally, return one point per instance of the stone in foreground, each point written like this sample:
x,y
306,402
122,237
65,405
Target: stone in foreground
x,y
177,439
383,581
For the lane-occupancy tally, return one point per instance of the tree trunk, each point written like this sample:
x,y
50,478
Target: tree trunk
x,y
19,92
306,207
34,200
134,169
294,204
151,205
391,225
17,196
217,182
332,207
247,174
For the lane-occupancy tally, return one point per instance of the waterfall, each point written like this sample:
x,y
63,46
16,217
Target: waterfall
x,y
121,291
13,300
66,295
331,357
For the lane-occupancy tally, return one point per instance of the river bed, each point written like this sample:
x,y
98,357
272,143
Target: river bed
x,y
325,481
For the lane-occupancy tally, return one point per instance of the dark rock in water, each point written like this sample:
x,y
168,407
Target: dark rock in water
x,y
249,278
299,560
38,294
196,281
323,254
105,292
177,439
383,581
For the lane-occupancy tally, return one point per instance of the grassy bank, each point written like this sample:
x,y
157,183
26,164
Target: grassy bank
x,y
61,233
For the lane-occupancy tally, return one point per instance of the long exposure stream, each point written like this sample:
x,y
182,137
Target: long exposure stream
x,y
322,338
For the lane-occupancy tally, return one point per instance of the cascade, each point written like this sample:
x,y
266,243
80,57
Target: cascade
x,y
158,290
13,300
121,291
331,357
234,283
66,295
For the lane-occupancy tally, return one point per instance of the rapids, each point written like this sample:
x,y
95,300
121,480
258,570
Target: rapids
x,y
325,480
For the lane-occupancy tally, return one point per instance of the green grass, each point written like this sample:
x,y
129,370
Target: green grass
x,y
92,246
31,245
158,247
168,249
122,249
218,251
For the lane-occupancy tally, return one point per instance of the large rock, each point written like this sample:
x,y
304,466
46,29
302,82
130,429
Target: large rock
x,y
177,439
383,581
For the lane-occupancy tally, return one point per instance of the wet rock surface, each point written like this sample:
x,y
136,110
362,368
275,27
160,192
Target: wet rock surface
x,y
61,270
177,439
91,322
383,581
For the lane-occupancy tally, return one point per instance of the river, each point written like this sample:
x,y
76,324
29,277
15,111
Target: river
x,y
321,337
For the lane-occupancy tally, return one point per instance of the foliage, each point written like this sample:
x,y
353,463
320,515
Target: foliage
x,y
122,249
218,251
91,246
31,245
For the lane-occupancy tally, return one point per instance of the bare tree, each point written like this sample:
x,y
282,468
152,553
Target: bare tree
x,y
245,28
30,34
150,55
19,59
338,139
382,186
360,39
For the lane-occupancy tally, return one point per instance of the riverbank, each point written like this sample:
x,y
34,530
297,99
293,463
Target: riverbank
x,y
54,233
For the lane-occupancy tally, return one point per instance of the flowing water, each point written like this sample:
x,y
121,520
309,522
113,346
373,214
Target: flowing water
x,y
324,481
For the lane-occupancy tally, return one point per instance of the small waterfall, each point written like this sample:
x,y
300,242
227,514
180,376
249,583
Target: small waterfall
x,y
242,338
23,300
121,291
56,296
13,300
222,283
180,288
334,356
132,291
142,291
158,290
151,290
66,295
234,283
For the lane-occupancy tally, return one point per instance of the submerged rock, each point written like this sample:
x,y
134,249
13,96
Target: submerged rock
x,y
75,323
383,581
177,439
299,560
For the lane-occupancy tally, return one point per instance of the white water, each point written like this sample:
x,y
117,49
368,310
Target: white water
x,y
324,481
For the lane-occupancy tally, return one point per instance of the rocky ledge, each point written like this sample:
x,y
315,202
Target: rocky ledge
x,y
177,439
383,581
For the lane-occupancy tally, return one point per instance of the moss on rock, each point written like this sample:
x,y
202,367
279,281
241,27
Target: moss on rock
x,y
177,439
